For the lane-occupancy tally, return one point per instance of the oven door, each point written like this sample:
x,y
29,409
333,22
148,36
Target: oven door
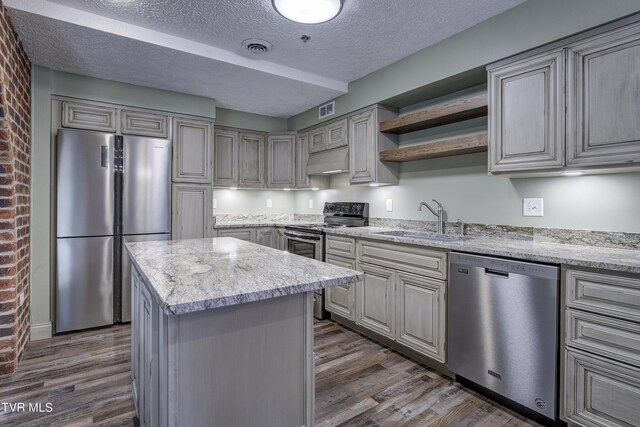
x,y
304,244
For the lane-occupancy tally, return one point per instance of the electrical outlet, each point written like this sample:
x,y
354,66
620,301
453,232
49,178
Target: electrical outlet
x,y
389,205
269,203
310,203
21,298
532,207
215,203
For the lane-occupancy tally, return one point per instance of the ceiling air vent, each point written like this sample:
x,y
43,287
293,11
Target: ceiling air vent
x,y
328,109
257,46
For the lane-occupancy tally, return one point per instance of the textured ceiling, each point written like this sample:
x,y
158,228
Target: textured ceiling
x,y
82,36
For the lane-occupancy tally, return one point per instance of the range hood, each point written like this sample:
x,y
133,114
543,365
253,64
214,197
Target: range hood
x,y
328,162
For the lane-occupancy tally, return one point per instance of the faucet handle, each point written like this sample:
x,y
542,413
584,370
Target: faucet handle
x,y
437,203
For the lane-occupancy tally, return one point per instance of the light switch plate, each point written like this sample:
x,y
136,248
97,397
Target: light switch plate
x,y
532,207
310,203
269,203
389,205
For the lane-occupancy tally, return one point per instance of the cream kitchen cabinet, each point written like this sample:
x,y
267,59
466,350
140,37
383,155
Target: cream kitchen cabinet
x,y
247,234
341,251
142,123
266,236
375,300
328,136
602,347
280,240
89,116
570,105
191,213
225,155
318,139
365,145
281,152
192,150
302,156
603,88
526,114
251,160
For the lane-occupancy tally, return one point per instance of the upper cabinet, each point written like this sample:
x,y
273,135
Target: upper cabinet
x,y
281,161
572,105
302,156
225,155
526,120
365,145
192,145
89,116
251,160
144,124
603,99
329,136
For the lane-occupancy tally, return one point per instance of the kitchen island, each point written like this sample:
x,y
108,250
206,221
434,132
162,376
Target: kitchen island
x,y
222,332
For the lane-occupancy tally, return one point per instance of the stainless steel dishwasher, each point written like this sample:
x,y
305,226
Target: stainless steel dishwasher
x,y
503,328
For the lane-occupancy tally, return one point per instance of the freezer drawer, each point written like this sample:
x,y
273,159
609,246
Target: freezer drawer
x,y
125,310
84,283
85,183
146,185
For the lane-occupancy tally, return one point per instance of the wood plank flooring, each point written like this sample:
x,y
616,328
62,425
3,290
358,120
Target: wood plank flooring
x,y
86,378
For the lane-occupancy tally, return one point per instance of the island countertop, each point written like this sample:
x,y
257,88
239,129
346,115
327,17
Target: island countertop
x,y
193,275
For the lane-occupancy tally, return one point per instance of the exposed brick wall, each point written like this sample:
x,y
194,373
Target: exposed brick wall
x,y
15,148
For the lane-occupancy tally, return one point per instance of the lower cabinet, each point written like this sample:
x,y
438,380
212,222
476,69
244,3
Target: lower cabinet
x,y
191,214
375,306
600,392
246,234
266,237
280,241
393,300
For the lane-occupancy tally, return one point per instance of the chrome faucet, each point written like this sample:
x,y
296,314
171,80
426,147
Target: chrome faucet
x,y
439,213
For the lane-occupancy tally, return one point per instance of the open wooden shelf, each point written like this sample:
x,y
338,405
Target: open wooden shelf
x,y
475,143
455,111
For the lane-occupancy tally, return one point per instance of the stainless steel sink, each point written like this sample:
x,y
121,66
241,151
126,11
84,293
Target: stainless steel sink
x,y
422,236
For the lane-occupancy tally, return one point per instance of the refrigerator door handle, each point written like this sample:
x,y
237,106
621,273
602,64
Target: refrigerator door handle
x,y
104,156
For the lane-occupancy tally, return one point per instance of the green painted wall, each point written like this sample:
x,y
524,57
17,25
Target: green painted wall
x,y
531,24
242,120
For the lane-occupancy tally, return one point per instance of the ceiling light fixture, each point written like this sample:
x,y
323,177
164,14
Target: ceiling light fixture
x,y
308,11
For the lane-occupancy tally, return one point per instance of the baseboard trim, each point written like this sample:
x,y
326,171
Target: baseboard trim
x,y
42,331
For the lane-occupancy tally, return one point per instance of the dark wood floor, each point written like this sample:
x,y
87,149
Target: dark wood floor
x,y
86,378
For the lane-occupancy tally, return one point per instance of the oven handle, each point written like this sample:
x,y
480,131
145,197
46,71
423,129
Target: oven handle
x,y
302,236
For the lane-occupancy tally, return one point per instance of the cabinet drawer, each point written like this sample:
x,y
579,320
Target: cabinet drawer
x,y
604,336
87,116
604,294
412,259
599,392
342,246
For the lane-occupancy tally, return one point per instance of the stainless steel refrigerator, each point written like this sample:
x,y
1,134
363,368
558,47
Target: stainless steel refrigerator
x,y
110,190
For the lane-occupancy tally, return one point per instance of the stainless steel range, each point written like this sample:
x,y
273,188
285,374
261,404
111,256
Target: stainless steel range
x,y
308,240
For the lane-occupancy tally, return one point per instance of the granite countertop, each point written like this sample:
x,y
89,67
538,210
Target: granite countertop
x,y
193,275
623,260
267,223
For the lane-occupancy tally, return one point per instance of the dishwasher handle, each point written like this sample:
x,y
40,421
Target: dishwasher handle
x,y
496,273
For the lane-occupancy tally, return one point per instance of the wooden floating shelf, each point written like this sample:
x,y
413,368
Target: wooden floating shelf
x,y
455,111
476,143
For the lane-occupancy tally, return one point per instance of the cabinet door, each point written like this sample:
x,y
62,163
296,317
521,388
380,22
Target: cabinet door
x,y
135,341
251,160
600,392
145,327
280,161
88,116
246,234
191,150
340,299
192,211
421,309
317,139
225,159
603,88
144,124
526,114
375,306
265,236
337,134
302,156
363,147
